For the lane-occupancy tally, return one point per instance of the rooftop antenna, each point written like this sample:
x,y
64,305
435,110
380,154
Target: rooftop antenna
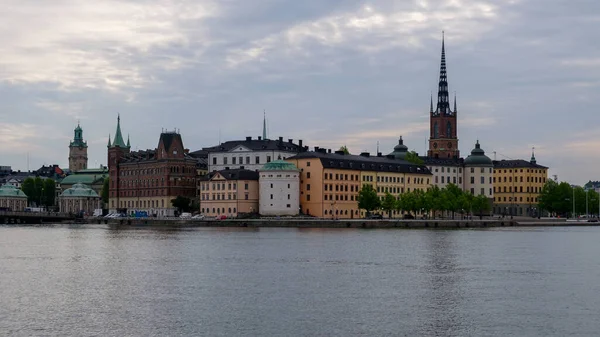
x,y
494,155
377,146
219,136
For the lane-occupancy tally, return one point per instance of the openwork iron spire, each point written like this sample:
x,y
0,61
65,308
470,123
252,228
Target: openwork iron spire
x,y
443,104
264,125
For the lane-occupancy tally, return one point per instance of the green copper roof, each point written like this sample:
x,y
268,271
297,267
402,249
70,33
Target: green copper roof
x,y
118,141
86,178
279,165
478,157
9,191
79,190
78,138
400,150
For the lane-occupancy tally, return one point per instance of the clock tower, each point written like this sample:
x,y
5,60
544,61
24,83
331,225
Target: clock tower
x,y
443,140
78,158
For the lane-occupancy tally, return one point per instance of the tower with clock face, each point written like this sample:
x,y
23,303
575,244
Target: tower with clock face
x,y
443,140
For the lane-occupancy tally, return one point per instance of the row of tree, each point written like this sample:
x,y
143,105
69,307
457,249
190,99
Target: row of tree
x,y
448,200
40,192
565,200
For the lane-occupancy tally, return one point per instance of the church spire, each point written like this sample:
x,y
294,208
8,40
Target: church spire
x,y
431,103
533,161
118,141
264,125
128,143
455,110
443,104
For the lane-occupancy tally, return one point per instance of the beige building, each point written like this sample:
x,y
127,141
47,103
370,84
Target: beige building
x,y
12,199
79,199
229,193
330,182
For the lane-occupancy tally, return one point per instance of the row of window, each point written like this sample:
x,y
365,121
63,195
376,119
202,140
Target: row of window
x,y
221,196
447,169
515,199
139,203
154,171
240,160
447,181
517,189
338,176
520,179
221,186
218,211
338,187
521,171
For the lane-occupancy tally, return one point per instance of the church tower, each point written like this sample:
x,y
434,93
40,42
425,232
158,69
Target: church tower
x,y
443,140
78,158
116,150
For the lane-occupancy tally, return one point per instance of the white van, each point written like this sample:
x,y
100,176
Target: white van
x,y
185,216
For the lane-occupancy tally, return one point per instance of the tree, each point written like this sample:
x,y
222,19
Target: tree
x,y
345,149
389,203
104,192
28,187
409,202
183,204
452,194
481,204
412,157
368,199
49,192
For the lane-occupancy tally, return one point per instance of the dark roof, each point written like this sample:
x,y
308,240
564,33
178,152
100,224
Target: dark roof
x,y
145,155
199,154
255,145
235,174
443,161
516,163
354,162
167,139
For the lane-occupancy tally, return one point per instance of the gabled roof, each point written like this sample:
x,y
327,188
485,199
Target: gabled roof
x,y
255,145
364,163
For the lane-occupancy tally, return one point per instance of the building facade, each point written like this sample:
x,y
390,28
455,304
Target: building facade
x,y
92,177
148,180
79,199
12,199
78,157
250,154
330,182
443,139
229,193
479,173
279,185
517,186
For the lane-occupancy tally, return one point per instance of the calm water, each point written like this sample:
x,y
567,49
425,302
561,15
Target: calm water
x,y
96,281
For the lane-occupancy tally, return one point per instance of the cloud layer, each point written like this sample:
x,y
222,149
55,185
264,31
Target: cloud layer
x,y
328,72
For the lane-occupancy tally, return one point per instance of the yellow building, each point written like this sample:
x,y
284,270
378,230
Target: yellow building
x,y
517,186
229,192
330,182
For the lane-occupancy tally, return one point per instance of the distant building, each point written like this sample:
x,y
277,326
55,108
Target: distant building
x,y
592,185
78,199
330,182
279,185
149,180
229,192
5,170
50,171
517,186
78,157
92,177
12,198
479,173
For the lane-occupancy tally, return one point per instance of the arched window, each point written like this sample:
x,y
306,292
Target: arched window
x,y
449,130
436,131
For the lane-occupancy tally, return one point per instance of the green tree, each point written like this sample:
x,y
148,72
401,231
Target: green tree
x,y
481,204
49,192
28,187
183,204
409,202
368,199
412,157
433,197
389,203
345,149
104,192
452,195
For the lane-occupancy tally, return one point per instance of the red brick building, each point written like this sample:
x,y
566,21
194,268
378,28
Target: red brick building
x,y
148,180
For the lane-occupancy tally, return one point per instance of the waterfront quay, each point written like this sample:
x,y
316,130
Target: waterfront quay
x,y
332,223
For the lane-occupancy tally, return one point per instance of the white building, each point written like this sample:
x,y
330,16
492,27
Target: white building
x,y
479,173
250,154
12,198
279,189
79,199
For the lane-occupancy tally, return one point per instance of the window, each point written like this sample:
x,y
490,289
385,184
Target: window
x,y
247,160
214,160
472,170
224,160
307,163
246,196
257,160
472,191
289,206
443,179
233,160
288,185
308,187
268,159
482,170
271,196
307,175
483,180
271,185
490,191
472,180
482,191
308,197
289,196
246,186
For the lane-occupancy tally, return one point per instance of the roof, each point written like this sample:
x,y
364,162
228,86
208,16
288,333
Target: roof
x,y
79,190
255,145
236,174
400,150
9,191
118,141
516,163
352,162
478,157
279,165
89,179
442,161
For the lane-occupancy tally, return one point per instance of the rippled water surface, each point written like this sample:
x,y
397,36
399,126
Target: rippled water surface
x,y
96,281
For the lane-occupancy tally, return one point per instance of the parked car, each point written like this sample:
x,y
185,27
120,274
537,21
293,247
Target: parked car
x,y
185,215
375,216
221,217
198,216
408,216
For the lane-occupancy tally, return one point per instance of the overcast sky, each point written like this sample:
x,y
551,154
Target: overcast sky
x,y
336,72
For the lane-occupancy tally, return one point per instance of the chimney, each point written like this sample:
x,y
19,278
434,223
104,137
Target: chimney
x,y
328,150
339,152
248,139
259,137
290,140
300,143
316,149
379,154
281,139
365,154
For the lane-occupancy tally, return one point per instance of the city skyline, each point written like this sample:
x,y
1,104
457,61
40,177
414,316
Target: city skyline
x,y
331,74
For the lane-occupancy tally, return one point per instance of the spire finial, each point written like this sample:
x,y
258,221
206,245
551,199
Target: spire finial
x,y
108,140
455,102
264,124
431,104
443,104
533,155
128,144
